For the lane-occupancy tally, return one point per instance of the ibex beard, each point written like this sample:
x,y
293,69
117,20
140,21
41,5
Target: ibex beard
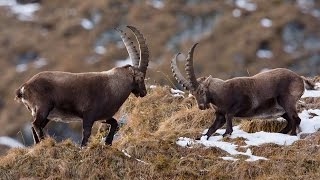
x,y
90,96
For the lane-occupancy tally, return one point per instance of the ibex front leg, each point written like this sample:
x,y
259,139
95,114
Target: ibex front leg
x,y
218,123
40,121
113,128
37,138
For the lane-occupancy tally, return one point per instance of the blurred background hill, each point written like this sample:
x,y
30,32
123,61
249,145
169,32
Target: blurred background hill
x,y
237,38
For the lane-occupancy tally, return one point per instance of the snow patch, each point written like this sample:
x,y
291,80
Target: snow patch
x,y
176,93
311,93
236,13
12,143
264,53
153,86
87,24
100,50
266,22
228,158
158,4
39,63
21,68
24,12
246,4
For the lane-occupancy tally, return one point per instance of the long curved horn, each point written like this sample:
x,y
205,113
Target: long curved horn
x,y
177,74
144,51
132,51
189,68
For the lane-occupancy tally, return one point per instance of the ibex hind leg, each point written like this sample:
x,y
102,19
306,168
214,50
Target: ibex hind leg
x,y
289,105
287,128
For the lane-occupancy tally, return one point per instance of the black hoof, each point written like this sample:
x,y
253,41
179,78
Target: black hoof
x,y
108,142
226,135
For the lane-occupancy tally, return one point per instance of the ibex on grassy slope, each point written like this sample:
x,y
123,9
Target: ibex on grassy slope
x,y
267,94
90,96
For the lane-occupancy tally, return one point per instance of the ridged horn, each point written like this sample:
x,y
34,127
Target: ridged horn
x,y
189,68
132,51
144,51
177,74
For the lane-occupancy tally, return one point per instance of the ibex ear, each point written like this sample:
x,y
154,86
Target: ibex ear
x,y
130,68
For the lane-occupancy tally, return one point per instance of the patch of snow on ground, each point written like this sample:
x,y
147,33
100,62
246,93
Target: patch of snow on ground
x,y
227,158
23,11
21,68
312,93
265,22
236,13
8,141
100,50
87,24
39,63
264,53
158,4
176,93
246,4
310,123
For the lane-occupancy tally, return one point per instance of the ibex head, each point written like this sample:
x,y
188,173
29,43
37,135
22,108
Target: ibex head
x,y
197,87
140,60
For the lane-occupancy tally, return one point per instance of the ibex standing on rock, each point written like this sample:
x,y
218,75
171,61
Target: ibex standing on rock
x,y
267,94
90,96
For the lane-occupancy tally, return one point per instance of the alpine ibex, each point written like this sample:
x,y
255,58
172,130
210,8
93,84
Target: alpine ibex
x,y
90,96
267,94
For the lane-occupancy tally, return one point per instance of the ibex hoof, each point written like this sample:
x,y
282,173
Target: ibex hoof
x,y
108,142
225,135
199,137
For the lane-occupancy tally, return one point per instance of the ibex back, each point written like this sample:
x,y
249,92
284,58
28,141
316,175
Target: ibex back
x,y
89,97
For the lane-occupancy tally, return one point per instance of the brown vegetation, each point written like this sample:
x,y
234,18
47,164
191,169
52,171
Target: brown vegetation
x,y
155,122
56,35
149,136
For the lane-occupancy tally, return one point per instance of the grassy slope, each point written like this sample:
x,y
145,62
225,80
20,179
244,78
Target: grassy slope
x,y
154,123
56,35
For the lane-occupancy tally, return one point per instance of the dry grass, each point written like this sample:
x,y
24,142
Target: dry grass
x,y
256,125
154,124
156,121
58,37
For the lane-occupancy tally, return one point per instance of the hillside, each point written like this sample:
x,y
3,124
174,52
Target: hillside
x,y
236,38
151,144
156,138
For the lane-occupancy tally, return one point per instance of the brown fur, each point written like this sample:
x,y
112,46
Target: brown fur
x,y
267,94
